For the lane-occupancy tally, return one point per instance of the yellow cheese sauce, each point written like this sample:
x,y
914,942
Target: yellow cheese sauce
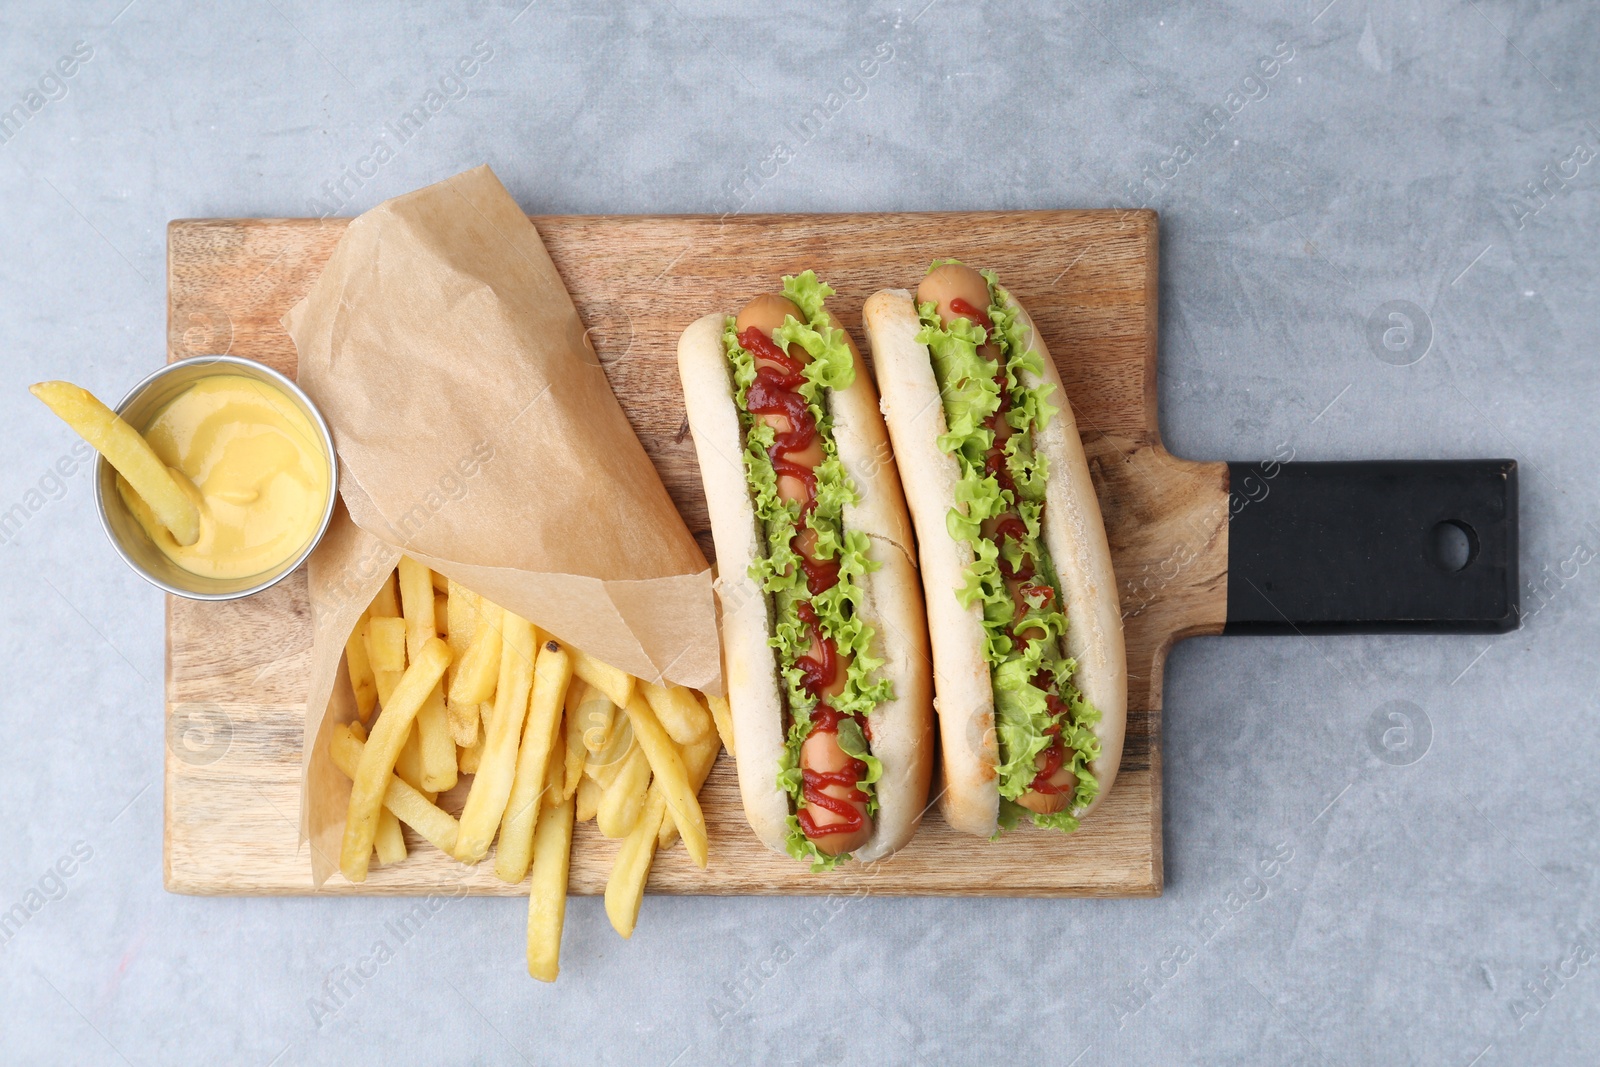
x,y
254,465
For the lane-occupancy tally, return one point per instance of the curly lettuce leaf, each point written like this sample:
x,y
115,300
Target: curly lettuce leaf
x,y
832,366
971,389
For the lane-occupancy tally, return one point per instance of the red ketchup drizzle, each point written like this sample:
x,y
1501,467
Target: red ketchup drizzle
x,y
815,677
825,720
761,346
960,307
1054,757
774,393
994,462
821,574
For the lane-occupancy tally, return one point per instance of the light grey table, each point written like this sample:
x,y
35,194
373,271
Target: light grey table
x,y
1340,889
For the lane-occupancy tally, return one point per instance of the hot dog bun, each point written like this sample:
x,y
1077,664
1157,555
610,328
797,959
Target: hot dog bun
x,y
1074,535
901,728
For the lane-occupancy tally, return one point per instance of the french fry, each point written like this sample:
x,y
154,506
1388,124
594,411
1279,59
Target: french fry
x,y
441,612
671,777
128,453
599,718
572,726
434,740
409,764
491,786
722,715
384,682
614,683
437,827
362,682
698,759
631,869
465,722
461,616
378,757
475,678
433,723
467,759
587,798
389,843
461,621
416,604
680,713
623,799
603,766
385,602
536,764
547,898
386,643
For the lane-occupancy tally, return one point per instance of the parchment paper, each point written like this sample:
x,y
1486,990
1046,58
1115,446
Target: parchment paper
x,y
477,433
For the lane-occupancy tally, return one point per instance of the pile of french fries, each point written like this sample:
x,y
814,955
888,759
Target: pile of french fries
x,y
550,736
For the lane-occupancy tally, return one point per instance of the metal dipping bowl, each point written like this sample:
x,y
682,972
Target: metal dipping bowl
x,y
139,407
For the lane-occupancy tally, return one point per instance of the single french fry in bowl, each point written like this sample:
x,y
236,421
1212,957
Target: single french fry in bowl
x,y
671,777
380,753
587,798
680,713
698,759
547,897
437,826
631,869
475,678
441,612
362,682
614,683
491,786
128,453
539,761
623,799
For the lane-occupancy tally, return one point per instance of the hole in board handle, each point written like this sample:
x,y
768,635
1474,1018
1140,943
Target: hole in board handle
x,y
1455,545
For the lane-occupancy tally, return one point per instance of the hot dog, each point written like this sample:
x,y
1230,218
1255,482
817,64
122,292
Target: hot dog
x,y
1023,612
821,610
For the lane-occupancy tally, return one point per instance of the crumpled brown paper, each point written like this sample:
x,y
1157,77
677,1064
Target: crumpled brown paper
x,y
477,433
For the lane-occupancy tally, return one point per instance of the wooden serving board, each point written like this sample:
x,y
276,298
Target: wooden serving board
x,y
236,672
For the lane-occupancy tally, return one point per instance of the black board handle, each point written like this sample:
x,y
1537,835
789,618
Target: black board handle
x,y
1392,546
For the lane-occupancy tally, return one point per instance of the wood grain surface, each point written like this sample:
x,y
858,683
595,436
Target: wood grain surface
x,y
236,672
